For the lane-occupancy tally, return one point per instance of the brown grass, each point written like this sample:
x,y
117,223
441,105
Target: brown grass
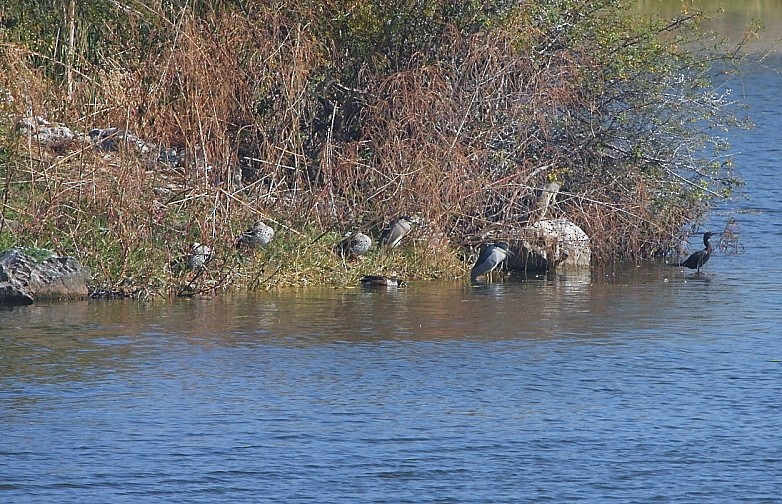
x,y
268,131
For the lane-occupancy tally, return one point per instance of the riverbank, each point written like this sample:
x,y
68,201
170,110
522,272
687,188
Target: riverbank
x,y
321,123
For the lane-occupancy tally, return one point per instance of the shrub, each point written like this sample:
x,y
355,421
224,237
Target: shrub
x,y
322,117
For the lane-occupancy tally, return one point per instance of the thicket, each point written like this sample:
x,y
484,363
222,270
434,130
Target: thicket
x,y
322,117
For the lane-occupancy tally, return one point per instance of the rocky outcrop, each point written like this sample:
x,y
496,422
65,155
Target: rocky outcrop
x,y
546,245
53,135
26,278
59,137
112,139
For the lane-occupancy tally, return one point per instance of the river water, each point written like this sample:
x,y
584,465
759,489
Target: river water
x,y
640,384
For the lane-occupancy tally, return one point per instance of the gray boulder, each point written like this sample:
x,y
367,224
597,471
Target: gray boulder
x,y
547,245
112,139
53,135
26,278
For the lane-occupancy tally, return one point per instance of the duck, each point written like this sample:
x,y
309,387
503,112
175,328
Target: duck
x,y
353,245
200,254
259,235
381,281
490,257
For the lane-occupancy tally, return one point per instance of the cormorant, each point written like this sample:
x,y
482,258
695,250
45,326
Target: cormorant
x,y
700,257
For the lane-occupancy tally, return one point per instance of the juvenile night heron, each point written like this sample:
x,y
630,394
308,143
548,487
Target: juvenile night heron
x,y
698,258
546,196
257,236
395,231
491,256
353,245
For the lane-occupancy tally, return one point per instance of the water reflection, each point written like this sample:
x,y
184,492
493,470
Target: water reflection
x,y
727,18
544,306
294,396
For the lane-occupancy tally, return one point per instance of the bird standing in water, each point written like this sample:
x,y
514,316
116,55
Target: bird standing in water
x,y
395,231
699,258
491,256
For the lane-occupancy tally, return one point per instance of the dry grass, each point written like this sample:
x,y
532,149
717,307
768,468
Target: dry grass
x,y
268,131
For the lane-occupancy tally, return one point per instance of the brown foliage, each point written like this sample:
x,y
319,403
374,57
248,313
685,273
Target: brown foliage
x,y
257,102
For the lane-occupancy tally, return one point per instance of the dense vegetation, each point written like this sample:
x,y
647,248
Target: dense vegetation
x,y
325,117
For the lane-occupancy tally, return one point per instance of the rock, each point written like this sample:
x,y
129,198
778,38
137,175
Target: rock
x,y
112,139
25,278
546,245
55,136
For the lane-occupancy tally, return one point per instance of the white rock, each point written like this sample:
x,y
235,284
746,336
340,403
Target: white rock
x,y
550,244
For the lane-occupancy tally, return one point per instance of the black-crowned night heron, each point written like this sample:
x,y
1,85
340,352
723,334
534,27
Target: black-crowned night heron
x,y
700,257
353,245
381,281
395,231
258,236
490,257
200,254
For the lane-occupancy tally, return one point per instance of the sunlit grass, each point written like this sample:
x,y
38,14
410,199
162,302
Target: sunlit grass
x,y
321,123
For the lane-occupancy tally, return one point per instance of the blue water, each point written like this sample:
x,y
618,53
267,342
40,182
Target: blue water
x,y
640,384
631,396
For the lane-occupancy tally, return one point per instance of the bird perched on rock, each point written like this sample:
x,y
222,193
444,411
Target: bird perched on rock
x,y
200,254
353,245
698,258
490,257
257,236
546,196
381,281
395,231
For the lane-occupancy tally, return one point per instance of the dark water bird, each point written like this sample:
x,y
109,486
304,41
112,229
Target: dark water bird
x,y
257,236
353,245
491,256
698,258
395,231
381,281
